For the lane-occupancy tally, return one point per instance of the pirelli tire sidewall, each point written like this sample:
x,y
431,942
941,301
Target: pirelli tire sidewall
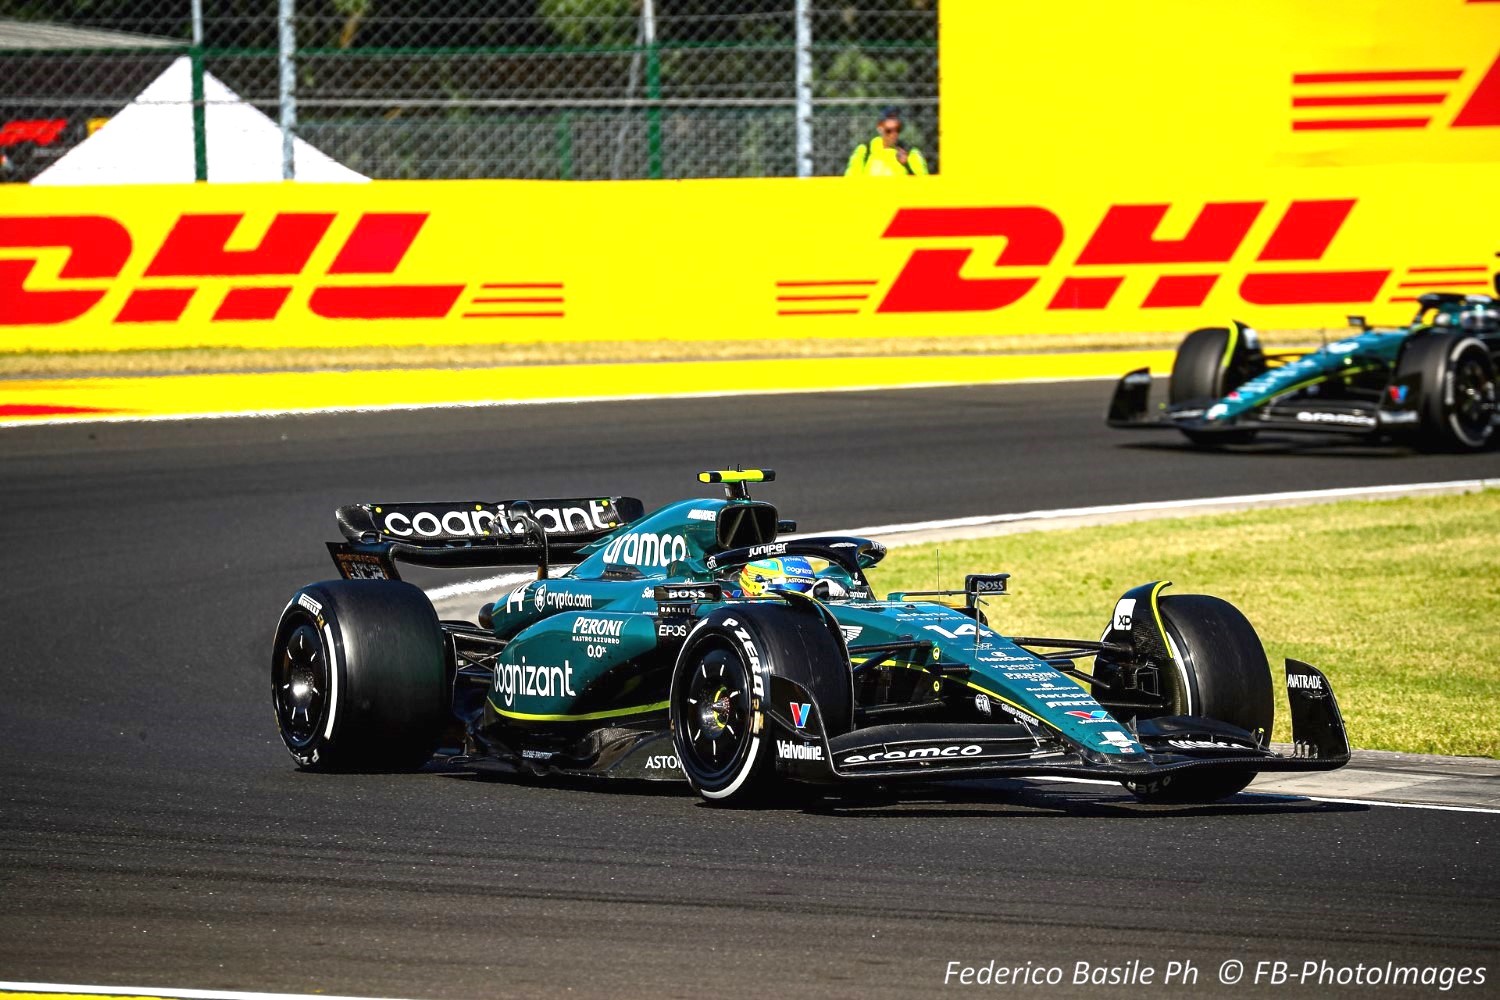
x,y
1437,362
382,662
1221,673
1197,369
758,640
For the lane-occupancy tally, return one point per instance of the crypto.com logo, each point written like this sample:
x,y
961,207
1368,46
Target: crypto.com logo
x,y
932,279
197,247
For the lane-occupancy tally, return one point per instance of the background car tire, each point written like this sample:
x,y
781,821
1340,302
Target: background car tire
x,y
1223,675
727,661
1200,375
1456,376
359,676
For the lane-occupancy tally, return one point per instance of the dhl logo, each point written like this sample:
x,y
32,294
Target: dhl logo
x,y
932,279
198,247
1415,92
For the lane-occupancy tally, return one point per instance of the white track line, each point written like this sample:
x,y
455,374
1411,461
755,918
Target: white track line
x,y
1379,802
1121,511
146,991
505,581
1290,797
1118,512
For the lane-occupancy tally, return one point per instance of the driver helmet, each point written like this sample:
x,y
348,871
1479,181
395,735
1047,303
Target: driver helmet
x,y
783,573
1480,316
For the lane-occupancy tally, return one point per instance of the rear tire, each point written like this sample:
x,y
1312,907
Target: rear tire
x,y
1458,391
359,676
1222,674
1200,375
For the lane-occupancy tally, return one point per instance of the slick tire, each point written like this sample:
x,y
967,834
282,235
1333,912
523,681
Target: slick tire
x,y
1199,374
359,677
720,686
1222,674
1458,390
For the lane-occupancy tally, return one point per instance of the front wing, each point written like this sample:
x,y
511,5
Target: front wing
x,y
1129,409
941,752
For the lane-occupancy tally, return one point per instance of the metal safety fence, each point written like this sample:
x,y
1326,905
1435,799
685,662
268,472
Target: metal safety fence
x,y
555,89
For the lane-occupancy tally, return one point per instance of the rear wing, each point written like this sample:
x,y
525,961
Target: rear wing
x,y
474,532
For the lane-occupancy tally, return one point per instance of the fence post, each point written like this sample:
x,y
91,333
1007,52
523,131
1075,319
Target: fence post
x,y
804,90
653,87
200,116
285,58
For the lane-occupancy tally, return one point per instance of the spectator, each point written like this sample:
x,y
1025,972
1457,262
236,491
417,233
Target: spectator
x,y
885,155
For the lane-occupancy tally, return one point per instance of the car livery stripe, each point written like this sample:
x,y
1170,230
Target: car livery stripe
x,y
1030,714
907,665
1234,336
659,706
1161,626
1357,370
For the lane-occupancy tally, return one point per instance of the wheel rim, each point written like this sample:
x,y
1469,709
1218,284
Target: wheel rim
x,y
1473,402
714,712
301,685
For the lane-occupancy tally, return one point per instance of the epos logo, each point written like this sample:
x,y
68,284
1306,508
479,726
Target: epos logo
x,y
932,280
198,247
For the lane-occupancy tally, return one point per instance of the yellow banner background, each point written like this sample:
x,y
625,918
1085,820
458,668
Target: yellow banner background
x,y
1079,114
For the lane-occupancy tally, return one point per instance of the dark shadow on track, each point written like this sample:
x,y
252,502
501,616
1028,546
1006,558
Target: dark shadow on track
x,y
994,798
1281,448
1013,799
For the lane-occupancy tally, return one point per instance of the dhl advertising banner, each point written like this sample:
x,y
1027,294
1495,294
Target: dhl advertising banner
x,y
1283,163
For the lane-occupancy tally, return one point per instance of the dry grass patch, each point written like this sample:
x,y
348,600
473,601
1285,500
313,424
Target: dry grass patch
x,y
80,364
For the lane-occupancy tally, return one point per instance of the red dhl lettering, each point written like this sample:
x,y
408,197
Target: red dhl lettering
x,y
198,246
1483,106
931,279
1391,108
42,131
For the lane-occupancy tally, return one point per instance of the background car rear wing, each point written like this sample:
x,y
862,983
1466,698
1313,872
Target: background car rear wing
x,y
474,532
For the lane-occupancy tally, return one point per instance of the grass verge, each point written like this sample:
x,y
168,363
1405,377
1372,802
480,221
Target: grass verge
x,y
1397,601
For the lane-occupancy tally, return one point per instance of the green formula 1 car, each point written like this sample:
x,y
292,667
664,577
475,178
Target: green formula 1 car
x,y
1431,383
699,642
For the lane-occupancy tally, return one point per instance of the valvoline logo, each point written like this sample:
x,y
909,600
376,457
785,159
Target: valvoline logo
x,y
1098,715
800,711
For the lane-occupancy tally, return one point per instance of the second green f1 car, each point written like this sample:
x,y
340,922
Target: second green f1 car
x,y
1431,383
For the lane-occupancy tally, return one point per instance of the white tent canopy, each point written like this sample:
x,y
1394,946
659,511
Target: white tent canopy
x,y
151,141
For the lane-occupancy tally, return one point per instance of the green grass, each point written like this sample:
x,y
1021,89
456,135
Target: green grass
x,y
1397,601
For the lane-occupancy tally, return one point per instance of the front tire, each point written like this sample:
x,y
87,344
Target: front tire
x,y
1202,372
720,688
359,676
1221,674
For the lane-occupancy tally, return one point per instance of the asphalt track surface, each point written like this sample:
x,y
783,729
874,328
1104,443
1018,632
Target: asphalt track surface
x,y
154,832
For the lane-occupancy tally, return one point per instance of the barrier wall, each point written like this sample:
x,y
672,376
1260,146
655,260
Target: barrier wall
x,y
1269,162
